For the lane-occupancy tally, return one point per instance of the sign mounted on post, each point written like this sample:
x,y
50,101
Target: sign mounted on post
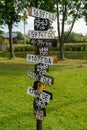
x,y
35,12
40,59
41,24
41,69
44,42
41,34
44,78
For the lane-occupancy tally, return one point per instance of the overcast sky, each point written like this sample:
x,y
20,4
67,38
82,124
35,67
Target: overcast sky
x,y
79,27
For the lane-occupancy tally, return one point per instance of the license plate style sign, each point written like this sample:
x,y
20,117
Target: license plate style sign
x,y
41,34
41,24
35,12
40,59
31,91
41,69
44,42
44,78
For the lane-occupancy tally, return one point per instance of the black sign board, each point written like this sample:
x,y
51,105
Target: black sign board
x,y
41,69
41,24
39,103
44,42
43,51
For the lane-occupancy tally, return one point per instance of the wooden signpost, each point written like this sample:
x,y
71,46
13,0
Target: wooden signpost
x,y
42,38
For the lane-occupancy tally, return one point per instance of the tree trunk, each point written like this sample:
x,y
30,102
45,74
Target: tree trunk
x,y
10,41
61,50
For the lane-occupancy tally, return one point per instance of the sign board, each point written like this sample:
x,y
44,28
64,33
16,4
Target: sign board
x,y
35,12
44,42
45,96
39,103
39,114
41,34
41,24
31,91
40,59
41,69
43,51
44,78
47,79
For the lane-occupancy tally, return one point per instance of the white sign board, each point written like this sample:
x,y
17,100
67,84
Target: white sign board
x,y
40,59
35,12
44,96
31,91
44,78
41,34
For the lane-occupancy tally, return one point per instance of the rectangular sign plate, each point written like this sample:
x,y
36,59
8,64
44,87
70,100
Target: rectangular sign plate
x,y
41,69
35,12
44,42
44,78
31,91
41,24
41,34
45,96
40,59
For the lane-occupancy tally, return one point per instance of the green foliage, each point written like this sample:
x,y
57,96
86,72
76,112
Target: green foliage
x,y
1,40
74,37
67,110
27,40
75,47
6,42
22,48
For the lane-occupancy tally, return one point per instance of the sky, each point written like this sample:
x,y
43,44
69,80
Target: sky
x,y
79,27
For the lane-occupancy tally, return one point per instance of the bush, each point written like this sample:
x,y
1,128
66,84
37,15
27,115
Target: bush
x,y
22,48
75,47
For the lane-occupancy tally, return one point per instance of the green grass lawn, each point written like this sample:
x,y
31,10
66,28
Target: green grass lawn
x,y
67,110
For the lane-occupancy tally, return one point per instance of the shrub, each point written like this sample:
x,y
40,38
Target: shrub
x,y
22,48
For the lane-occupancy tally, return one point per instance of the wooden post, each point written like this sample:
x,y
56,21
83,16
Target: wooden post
x,y
39,125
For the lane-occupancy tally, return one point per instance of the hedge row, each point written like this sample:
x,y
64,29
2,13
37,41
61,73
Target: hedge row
x,y
67,47
67,54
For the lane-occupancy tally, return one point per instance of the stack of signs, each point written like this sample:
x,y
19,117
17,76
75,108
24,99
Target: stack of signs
x,y
42,38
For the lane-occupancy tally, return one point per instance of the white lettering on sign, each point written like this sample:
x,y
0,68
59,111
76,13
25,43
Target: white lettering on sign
x,y
41,34
44,79
35,12
41,69
39,59
45,97
39,104
43,51
42,42
41,24
31,91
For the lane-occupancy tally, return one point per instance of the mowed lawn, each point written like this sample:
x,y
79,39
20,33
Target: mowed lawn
x,y
67,110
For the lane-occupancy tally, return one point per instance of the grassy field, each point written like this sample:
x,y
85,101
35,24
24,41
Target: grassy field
x,y
67,110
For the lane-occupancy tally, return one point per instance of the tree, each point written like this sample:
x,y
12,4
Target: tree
x,y
84,9
11,10
67,13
